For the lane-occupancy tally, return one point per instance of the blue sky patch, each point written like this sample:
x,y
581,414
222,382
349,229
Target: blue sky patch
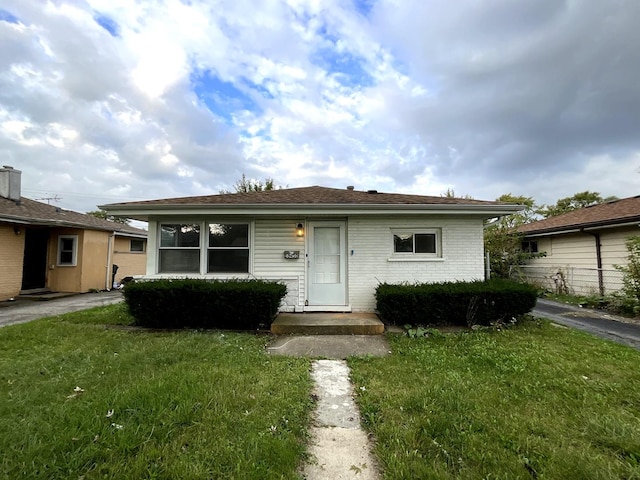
x,y
348,69
9,17
364,6
108,24
222,98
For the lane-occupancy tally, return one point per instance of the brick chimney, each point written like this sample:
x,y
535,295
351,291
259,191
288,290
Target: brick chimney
x,y
10,180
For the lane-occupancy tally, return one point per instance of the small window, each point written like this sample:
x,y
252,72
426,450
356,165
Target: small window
x,y
179,248
67,250
423,243
228,250
530,246
137,245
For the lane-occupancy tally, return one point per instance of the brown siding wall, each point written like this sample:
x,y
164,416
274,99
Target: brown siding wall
x,y
94,250
129,263
11,257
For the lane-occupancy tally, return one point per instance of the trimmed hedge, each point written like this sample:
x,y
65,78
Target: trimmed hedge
x,y
454,303
193,303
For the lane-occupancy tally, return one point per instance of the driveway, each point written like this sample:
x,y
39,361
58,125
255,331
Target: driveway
x,y
602,324
22,311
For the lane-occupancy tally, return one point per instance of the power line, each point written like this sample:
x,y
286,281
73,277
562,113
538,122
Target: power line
x,y
78,194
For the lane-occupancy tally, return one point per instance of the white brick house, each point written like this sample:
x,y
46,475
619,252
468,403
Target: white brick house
x,y
331,247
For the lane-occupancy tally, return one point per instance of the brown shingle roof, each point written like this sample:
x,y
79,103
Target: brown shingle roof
x,y
310,195
36,213
626,210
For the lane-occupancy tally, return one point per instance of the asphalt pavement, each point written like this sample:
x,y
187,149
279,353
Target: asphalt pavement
x,y
24,310
618,329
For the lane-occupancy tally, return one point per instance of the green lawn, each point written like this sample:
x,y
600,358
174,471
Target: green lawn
x,y
153,404
536,401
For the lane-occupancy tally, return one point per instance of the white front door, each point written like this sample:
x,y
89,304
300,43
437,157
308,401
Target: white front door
x,y
326,264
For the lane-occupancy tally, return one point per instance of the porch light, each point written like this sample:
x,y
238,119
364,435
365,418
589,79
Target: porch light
x,y
300,230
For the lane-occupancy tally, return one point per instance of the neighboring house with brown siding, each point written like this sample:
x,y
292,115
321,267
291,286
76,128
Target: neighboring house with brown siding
x,y
43,247
582,247
331,247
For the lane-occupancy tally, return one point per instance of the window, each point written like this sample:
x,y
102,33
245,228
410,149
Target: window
x,y
67,250
137,245
423,243
530,246
179,248
228,248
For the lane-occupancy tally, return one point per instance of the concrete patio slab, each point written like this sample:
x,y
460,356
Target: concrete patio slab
x,y
327,324
330,346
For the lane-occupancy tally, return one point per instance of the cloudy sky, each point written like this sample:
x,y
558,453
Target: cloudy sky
x,y
104,101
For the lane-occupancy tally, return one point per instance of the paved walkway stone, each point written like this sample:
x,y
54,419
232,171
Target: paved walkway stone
x,y
339,448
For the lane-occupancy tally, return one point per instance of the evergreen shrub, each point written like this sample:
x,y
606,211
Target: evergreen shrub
x,y
454,303
194,303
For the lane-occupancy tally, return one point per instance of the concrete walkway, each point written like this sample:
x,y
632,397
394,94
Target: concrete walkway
x,y
24,310
339,448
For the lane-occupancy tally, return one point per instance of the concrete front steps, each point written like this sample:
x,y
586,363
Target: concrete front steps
x,y
327,324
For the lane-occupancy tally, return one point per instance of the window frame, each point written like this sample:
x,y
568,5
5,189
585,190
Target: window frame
x,y
197,248
131,249
209,248
74,251
530,246
413,256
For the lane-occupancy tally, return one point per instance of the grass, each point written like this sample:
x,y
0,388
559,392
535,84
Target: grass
x,y
535,401
184,404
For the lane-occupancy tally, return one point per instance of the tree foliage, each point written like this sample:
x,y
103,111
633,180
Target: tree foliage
x,y
576,201
450,193
502,241
631,271
245,185
105,216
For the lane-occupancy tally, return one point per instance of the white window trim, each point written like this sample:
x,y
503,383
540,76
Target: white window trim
x,y
161,248
203,248
416,257
207,248
74,252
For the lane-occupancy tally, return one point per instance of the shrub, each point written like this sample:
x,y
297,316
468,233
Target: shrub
x,y
454,303
192,303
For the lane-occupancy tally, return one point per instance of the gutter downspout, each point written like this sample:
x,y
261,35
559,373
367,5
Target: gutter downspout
x,y
596,235
108,284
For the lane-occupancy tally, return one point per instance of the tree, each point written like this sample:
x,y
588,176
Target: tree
x,y
502,241
568,204
105,216
631,271
245,185
450,193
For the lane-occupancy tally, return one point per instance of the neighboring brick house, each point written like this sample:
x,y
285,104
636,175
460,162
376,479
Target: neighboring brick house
x,y
43,247
582,247
331,247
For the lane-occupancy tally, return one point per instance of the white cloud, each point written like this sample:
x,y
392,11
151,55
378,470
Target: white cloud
x,y
419,97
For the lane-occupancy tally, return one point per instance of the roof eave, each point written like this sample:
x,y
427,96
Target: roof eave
x,y
143,212
585,226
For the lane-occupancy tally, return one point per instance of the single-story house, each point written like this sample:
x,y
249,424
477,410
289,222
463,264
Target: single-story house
x,y
331,247
44,247
582,247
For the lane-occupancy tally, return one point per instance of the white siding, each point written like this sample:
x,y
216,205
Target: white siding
x,y
371,242
272,238
574,255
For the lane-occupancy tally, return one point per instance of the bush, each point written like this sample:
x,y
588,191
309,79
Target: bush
x,y
454,303
191,303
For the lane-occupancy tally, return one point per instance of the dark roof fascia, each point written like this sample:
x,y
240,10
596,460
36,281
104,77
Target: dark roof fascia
x,y
43,222
615,223
140,211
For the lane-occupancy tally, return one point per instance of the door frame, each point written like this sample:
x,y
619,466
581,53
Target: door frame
x,y
311,225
